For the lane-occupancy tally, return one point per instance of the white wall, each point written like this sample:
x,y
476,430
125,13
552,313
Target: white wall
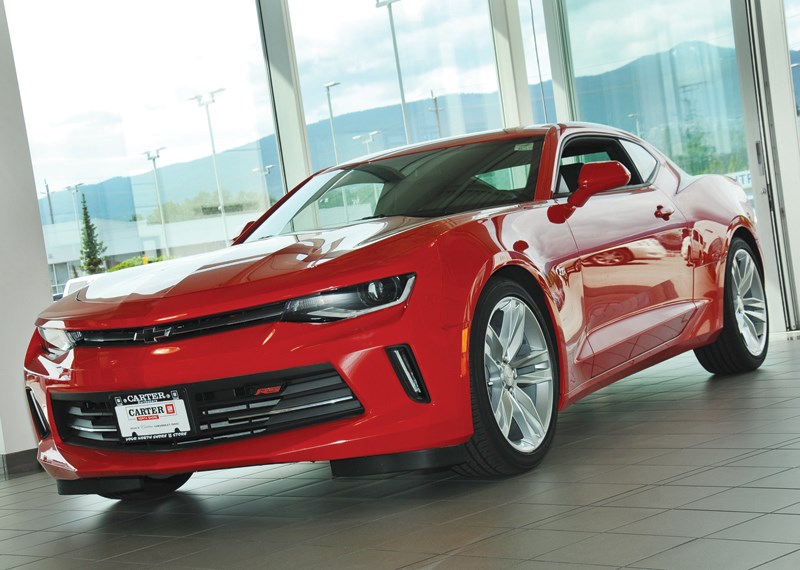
x,y
24,282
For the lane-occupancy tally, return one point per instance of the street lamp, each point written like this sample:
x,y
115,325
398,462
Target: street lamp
x,y
49,202
330,116
437,110
403,110
152,156
635,117
367,139
264,173
204,100
74,190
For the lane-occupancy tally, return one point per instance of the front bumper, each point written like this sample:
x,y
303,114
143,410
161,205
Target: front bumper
x,y
387,420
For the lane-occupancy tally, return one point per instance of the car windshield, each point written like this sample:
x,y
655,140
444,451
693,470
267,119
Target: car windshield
x,y
423,184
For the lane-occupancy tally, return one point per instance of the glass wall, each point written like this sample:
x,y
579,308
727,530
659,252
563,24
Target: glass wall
x,y
792,10
666,71
537,60
158,113
375,75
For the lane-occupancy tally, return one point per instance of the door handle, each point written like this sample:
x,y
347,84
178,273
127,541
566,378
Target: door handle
x,y
664,212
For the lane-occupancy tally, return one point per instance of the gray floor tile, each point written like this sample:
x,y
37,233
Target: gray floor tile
x,y
439,539
598,519
773,458
767,528
612,549
642,474
10,561
788,562
788,479
537,565
524,544
664,497
716,555
446,562
727,476
698,457
690,524
748,500
514,515
579,493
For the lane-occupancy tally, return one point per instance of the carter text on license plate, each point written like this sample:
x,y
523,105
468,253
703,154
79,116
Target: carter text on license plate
x,y
151,416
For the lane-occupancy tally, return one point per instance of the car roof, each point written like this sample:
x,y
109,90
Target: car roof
x,y
484,136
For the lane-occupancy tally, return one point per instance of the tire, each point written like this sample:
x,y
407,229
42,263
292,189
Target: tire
x,y
153,488
743,342
618,256
526,437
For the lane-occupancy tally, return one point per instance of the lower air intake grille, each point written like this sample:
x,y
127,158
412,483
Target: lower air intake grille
x,y
219,410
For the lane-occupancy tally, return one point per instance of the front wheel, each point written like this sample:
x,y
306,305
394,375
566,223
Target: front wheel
x,y
514,383
742,344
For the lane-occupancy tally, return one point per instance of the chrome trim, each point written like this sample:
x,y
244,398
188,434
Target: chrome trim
x,y
314,405
93,430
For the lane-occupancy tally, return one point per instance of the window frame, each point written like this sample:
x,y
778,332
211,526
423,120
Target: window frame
x,y
628,162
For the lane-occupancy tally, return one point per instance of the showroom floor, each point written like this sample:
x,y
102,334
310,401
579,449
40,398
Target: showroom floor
x,y
670,468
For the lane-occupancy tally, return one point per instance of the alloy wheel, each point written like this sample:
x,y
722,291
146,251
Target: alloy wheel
x,y
749,302
519,374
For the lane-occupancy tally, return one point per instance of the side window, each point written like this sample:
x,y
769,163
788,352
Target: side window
x,y
644,161
585,150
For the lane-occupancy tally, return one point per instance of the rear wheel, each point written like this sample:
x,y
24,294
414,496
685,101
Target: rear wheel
x,y
152,488
742,344
514,383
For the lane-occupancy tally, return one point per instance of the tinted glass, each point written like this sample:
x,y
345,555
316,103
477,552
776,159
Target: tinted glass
x,y
643,160
423,184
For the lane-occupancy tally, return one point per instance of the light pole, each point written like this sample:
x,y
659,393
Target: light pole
x,y
49,202
635,117
264,173
437,110
204,100
330,116
388,4
74,191
152,156
367,139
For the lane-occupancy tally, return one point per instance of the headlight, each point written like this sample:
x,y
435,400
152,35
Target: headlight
x,y
58,339
350,302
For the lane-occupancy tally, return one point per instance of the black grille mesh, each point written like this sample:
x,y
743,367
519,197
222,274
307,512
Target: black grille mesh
x,y
219,410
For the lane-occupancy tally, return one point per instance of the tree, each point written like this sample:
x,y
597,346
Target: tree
x,y
91,247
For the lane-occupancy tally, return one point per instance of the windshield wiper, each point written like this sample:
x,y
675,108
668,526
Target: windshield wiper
x,y
375,217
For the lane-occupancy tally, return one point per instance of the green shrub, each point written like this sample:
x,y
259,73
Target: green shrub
x,y
133,262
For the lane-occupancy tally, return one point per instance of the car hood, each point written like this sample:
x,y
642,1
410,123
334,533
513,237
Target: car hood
x,y
248,274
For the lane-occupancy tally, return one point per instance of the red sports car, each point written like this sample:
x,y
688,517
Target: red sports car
x,y
434,305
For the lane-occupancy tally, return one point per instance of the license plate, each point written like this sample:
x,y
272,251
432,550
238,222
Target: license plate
x,y
151,416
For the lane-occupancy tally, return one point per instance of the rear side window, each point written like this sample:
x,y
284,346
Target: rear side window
x,y
644,161
588,149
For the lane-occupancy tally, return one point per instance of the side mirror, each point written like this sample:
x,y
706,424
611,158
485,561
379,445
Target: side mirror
x,y
596,177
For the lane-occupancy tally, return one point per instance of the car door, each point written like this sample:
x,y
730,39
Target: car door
x,y
638,289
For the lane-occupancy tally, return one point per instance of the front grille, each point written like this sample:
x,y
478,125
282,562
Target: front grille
x,y
219,410
191,327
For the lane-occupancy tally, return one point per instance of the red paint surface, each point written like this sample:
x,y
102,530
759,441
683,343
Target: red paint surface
x,y
610,320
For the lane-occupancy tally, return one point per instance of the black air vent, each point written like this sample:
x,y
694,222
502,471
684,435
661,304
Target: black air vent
x,y
219,410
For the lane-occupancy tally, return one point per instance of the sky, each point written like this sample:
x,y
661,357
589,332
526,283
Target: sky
x,y
102,82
